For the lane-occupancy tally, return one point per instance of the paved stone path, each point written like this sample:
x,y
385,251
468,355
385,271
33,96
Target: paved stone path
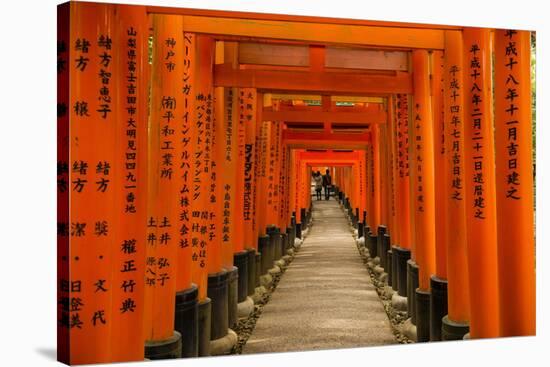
x,y
325,299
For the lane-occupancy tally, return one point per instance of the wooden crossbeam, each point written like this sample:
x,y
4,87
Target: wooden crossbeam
x,y
313,97
336,57
329,155
297,18
312,32
324,138
317,32
313,82
349,58
273,54
377,117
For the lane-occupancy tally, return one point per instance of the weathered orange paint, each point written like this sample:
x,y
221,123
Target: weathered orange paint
x,y
514,183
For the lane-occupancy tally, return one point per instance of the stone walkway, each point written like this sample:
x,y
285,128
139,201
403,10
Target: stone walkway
x,y
325,299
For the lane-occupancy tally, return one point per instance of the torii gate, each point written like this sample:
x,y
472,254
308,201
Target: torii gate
x,y
152,244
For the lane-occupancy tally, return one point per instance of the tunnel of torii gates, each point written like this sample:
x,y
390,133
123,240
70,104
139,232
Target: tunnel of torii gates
x,y
186,143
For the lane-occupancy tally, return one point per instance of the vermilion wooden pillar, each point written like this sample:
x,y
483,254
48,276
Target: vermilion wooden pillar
x,y
273,172
439,163
292,182
248,110
263,156
438,281
479,176
131,172
258,167
356,182
202,212
362,184
402,251
455,324
375,187
402,132
393,168
187,317
245,257
162,230
393,160
383,169
514,183
63,181
424,190
86,308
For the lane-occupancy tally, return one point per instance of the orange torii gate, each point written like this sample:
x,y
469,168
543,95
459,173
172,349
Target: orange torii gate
x,y
334,158
185,200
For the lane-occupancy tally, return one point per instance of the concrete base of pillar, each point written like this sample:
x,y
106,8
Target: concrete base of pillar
x,y
409,329
245,308
361,241
466,336
205,320
218,292
438,306
398,302
274,270
258,294
451,330
298,243
266,280
164,349
412,284
187,321
387,291
224,345
232,296
422,315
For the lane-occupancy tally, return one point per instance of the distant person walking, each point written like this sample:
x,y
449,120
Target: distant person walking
x,y
318,178
327,183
